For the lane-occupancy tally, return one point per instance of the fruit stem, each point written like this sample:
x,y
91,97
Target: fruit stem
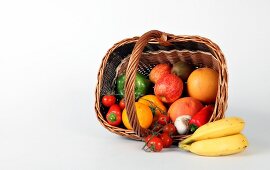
x,y
193,128
112,117
184,147
155,107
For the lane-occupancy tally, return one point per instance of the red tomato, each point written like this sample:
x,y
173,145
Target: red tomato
x,y
163,119
169,128
122,104
114,115
148,138
166,140
155,144
108,100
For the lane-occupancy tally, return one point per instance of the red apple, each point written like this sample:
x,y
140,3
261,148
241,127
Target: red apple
x,y
159,71
169,88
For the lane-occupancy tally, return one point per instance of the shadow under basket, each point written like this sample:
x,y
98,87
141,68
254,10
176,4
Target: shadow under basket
x,y
142,54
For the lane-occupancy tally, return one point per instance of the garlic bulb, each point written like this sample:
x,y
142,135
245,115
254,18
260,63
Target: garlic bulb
x,y
181,124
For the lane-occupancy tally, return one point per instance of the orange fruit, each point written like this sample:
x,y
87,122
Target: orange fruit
x,y
202,84
154,104
144,116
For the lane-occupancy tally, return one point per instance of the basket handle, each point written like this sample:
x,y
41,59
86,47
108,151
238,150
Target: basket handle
x,y
131,71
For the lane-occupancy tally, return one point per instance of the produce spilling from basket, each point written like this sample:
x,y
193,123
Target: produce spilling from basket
x,y
177,99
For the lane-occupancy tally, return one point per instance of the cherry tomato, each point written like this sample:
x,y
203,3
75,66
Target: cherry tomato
x,y
148,138
114,115
166,140
122,104
108,100
169,128
155,144
163,119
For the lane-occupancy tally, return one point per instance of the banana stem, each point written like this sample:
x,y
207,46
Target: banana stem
x,y
184,147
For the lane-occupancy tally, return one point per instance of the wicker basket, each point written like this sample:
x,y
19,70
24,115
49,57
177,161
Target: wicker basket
x,y
142,54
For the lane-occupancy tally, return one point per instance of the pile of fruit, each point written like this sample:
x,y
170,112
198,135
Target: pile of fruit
x,y
176,99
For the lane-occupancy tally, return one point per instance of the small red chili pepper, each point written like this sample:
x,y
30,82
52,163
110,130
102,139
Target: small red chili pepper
x,y
201,118
114,115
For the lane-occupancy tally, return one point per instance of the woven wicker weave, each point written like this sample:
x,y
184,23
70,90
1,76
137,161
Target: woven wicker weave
x,y
142,54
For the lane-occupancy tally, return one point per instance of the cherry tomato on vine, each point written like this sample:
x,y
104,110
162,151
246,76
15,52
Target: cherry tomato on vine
x,y
169,128
163,119
166,140
147,139
155,144
108,100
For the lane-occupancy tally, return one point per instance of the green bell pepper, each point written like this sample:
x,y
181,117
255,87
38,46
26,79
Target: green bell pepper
x,y
141,85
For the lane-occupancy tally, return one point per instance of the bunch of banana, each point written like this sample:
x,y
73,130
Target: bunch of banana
x,y
217,138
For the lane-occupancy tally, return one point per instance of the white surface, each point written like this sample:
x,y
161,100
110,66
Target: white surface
x,y
50,52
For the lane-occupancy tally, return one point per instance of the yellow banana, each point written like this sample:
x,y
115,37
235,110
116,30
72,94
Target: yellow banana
x,y
216,129
218,146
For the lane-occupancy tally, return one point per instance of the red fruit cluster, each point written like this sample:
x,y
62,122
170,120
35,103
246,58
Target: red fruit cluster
x,y
114,115
161,136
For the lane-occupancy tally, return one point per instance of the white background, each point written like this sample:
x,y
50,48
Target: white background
x,y
50,53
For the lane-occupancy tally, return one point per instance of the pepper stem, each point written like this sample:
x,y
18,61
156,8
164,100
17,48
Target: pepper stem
x,y
193,128
112,117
